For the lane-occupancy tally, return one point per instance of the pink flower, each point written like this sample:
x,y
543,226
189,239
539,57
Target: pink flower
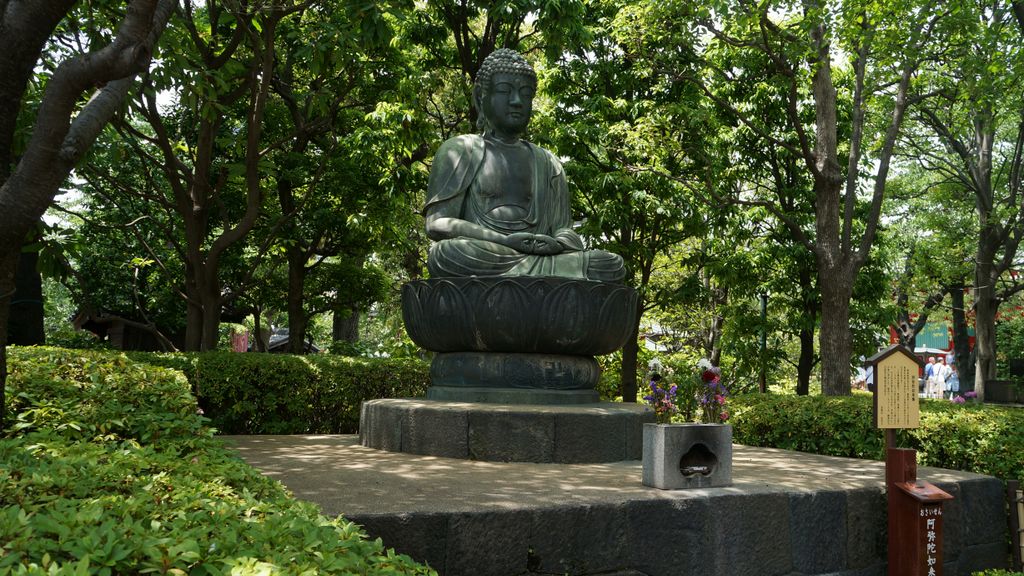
x,y
723,416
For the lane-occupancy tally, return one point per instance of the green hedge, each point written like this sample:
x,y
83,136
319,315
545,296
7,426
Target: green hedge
x,y
285,394
977,438
107,468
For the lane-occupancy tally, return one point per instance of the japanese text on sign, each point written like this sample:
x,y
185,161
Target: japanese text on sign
x,y
897,389
931,516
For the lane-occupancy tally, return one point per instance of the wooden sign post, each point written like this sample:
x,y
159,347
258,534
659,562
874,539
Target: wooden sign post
x,y
915,506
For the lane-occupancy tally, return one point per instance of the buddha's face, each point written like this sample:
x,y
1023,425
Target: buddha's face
x,y
508,103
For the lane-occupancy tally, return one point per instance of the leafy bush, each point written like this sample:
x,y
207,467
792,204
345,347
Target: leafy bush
x,y
972,437
998,573
68,337
609,386
830,425
399,346
107,468
285,394
1010,336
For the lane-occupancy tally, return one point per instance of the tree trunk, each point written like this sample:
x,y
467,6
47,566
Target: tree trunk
x,y
25,317
961,344
211,316
202,328
193,311
8,265
834,338
297,320
832,251
985,308
805,364
193,327
714,344
630,352
345,325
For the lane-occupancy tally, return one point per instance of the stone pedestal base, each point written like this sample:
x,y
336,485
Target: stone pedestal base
x,y
513,378
600,432
687,455
511,395
515,370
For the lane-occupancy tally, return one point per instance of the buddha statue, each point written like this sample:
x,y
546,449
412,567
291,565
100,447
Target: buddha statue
x,y
498,205
515,307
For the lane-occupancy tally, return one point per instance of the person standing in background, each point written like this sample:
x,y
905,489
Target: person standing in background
x,y
939,373
952,381
927,387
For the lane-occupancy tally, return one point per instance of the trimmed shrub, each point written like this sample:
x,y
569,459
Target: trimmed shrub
x,y
107,469
284,394
977,438
830,425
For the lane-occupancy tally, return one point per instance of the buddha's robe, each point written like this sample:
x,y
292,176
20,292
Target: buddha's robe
x,y
455,190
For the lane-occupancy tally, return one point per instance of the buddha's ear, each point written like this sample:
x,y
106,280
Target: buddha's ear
x,y
478,97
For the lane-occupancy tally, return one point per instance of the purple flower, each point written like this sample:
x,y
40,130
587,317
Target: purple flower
x,y
958,400
970,394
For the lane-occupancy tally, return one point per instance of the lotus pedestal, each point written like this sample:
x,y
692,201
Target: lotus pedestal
x,y
514,373
517,340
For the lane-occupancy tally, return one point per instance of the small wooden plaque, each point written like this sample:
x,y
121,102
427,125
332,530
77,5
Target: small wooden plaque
x,y
896,376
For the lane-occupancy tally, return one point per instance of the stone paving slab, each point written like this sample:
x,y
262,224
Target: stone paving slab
x,y
342,477
786,514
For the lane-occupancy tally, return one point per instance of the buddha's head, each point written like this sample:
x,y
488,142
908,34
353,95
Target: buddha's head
x,y
504,89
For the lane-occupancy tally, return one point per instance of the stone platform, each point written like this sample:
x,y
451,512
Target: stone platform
x,y
597,432
786,514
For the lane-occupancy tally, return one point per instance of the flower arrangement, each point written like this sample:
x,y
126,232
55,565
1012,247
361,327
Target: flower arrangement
x,y
662,397
711,395
700,399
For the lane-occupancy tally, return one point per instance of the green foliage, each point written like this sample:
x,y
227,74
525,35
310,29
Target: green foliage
x,y
971,437
1010,336
108,469
250,393
399,347
611,373
735,376
997,573
68,337
834,426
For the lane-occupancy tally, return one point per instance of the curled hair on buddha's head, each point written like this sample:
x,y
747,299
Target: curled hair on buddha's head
x,y
501,61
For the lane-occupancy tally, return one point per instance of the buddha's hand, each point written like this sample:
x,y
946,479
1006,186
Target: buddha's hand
x,y
540,244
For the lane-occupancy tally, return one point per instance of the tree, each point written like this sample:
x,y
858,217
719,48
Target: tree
x,y
802,42
205,156
622,127
343,182
785,269
977,114
63,127
930,231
